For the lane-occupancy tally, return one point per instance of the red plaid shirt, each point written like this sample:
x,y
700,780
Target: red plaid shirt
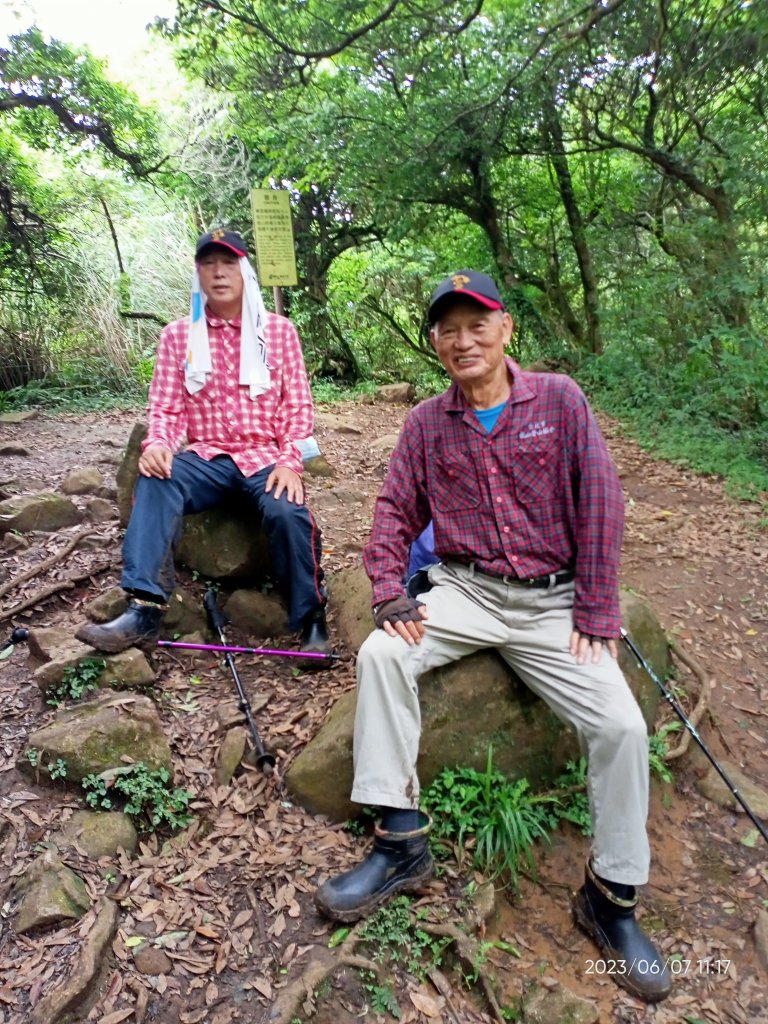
x,y
537,494
221,419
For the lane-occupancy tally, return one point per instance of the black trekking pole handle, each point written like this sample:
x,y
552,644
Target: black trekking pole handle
x,y
673,703
18,636
218,621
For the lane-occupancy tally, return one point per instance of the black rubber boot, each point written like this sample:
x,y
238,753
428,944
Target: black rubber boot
x,y
399,861
314,639
631,958
139,624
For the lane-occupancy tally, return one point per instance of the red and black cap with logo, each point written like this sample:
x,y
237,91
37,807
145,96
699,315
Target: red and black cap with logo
x,y
226,239
464,284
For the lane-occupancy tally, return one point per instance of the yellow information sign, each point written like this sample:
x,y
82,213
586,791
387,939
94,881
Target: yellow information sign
x,y
273,233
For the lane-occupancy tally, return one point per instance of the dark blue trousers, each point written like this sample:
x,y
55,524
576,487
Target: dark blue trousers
x,y
198,484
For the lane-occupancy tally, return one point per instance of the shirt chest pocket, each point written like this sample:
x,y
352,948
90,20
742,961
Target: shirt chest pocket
x,y
206,397
534,472
455,485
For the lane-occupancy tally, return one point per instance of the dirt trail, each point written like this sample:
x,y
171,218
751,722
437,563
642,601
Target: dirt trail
x,y
238,919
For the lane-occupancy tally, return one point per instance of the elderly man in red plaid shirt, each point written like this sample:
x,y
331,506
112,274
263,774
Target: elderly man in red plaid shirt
x,y
230,388
528,515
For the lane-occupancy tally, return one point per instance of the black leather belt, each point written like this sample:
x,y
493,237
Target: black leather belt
x,y
550,579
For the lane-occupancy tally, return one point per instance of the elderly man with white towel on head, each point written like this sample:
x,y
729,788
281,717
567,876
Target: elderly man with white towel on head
x,y
230,389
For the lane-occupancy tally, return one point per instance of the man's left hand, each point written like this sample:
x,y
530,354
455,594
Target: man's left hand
x,y
284,479
586,648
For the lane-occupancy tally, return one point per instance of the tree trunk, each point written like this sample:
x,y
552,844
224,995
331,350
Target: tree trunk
x,y
554,135
483,211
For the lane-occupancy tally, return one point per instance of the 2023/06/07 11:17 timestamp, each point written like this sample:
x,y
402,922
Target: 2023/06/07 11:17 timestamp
x,y
676,965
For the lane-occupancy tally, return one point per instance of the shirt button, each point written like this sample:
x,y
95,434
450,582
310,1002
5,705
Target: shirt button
x,y
542,462
513,558
499,500
494,470
506,529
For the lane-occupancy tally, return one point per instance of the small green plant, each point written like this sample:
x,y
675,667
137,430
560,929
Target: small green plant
x,y
359,825
382,995
395,936
571,793
146,794
188,704
77,680
501,819
658,748
33,756
510,1013
57,769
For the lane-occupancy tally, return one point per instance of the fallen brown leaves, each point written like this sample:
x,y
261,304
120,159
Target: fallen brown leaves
x,y
229,901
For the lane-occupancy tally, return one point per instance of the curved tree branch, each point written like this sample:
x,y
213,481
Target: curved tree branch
x,y
82,124
331,51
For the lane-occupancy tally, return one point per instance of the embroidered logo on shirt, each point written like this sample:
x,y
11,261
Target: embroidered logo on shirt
x,y
538,429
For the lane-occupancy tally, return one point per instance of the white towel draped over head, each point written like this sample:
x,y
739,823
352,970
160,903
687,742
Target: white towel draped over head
x,y
254,371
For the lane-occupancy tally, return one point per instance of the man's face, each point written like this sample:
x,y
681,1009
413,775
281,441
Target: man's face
x,y
222,281
470,341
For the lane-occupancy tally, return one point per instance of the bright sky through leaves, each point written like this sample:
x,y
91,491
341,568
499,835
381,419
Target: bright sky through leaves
x,y
115,29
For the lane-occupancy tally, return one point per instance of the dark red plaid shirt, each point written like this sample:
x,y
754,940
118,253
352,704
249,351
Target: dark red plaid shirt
x,y
537,494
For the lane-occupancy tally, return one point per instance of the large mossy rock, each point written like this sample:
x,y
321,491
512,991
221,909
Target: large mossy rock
x,y
109,731
50,893
43,511
53,651
466,707
225,543
98,833
222,544
260,615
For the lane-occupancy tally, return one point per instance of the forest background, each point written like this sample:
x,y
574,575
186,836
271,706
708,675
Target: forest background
x,y
605,161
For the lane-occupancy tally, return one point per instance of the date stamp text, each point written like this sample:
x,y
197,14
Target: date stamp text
x,y
676,965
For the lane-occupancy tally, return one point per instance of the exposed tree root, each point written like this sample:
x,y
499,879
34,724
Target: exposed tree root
x,y
468,950
45,592
324,962
36,570
701,704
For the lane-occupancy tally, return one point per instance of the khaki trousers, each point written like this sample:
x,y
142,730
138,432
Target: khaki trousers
x,y
531,630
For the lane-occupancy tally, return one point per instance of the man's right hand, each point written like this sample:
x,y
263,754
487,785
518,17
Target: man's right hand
x,y
156,460
402,616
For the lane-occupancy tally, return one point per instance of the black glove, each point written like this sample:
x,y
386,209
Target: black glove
x,y
397,609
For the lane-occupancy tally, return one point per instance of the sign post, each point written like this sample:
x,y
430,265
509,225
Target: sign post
x,y
273,235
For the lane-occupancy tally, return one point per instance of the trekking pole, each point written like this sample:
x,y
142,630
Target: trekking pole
x,y
18,636
250,650
217,621
673,703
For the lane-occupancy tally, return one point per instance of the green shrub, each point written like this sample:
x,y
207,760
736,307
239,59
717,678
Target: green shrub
x,y
572,800
499,818
396,937
658,748
76,681
707,411
143,794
